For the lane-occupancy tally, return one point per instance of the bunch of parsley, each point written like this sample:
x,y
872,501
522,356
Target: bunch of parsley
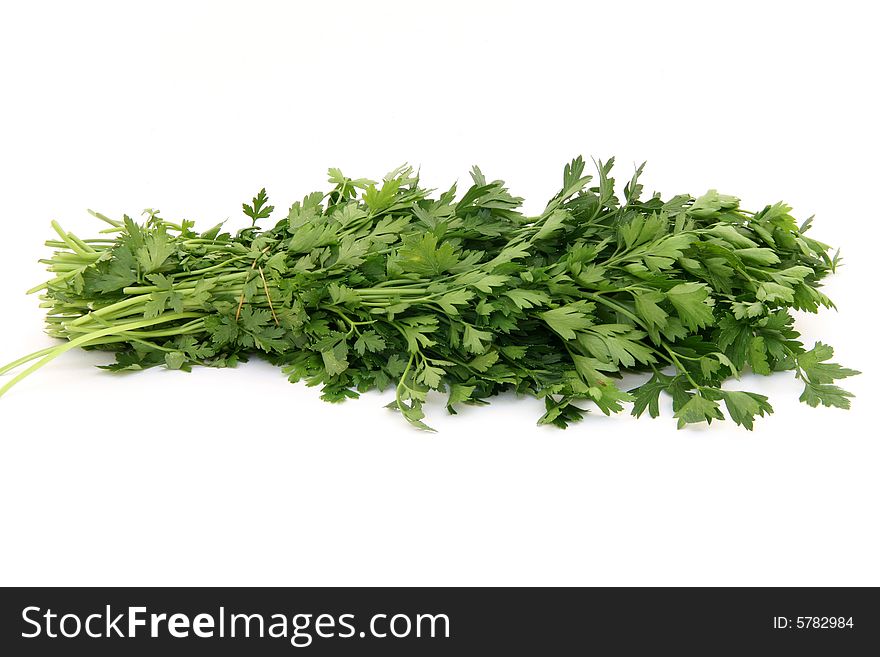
x,y
378,284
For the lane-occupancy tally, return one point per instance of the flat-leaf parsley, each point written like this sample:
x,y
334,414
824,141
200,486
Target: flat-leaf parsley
x,y
377,284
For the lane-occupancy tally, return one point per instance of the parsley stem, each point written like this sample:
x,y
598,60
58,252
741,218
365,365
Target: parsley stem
x,y
89,338
681,368
614,306
71,243
25,359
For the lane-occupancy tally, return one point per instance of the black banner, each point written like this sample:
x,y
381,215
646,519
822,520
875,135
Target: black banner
x,y
445,621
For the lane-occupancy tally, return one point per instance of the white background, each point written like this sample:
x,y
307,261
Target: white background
x,y
236,477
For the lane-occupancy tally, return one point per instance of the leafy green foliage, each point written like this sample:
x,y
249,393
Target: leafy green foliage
x,y
692,302
744,406
420,254
378,285
819,376
259,207
568,319
698,408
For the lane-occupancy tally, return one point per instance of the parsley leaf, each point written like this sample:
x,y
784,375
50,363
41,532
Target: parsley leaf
x,y
259,207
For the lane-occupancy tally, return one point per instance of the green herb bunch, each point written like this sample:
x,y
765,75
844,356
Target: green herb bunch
x,y
378,284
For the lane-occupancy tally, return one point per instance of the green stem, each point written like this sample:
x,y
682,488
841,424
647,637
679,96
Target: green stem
x,y
71,244
681,367
25,359
88,338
